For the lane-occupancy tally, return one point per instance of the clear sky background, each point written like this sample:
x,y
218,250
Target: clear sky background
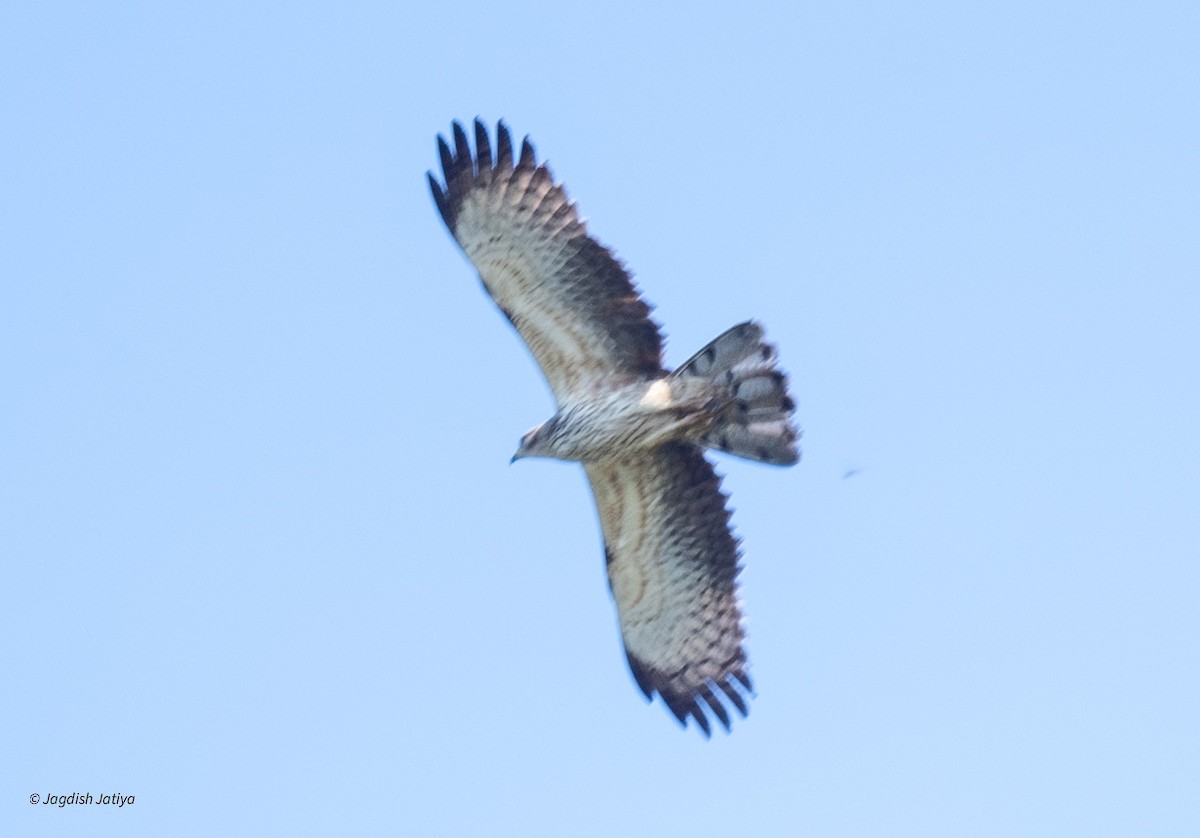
x,y
266,566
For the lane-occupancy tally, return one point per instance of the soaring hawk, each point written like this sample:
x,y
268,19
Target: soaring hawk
x,y
639,430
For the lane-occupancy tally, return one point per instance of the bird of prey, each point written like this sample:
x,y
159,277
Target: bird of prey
x,y
639,430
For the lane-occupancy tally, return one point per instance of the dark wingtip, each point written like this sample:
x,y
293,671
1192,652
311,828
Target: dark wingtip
x,y
504,152
701,701
459,168
735,697
483,146
640,673
462,149
528,156
446,157
715,705
439,197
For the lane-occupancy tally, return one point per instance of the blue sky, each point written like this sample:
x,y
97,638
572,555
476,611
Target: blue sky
x,y
267,567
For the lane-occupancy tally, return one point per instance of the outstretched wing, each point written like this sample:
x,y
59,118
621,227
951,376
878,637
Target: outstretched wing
x,y
571,300
672,565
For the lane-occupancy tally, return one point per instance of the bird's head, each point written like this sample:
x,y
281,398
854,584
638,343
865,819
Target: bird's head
x,y
536,443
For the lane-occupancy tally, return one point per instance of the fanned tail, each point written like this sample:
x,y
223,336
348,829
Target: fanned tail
x,y
756,420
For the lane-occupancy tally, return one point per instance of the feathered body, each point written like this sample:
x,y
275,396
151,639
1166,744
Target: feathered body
x,y
739,405
638,430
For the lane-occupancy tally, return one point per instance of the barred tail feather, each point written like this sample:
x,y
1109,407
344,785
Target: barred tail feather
x,y
756,420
